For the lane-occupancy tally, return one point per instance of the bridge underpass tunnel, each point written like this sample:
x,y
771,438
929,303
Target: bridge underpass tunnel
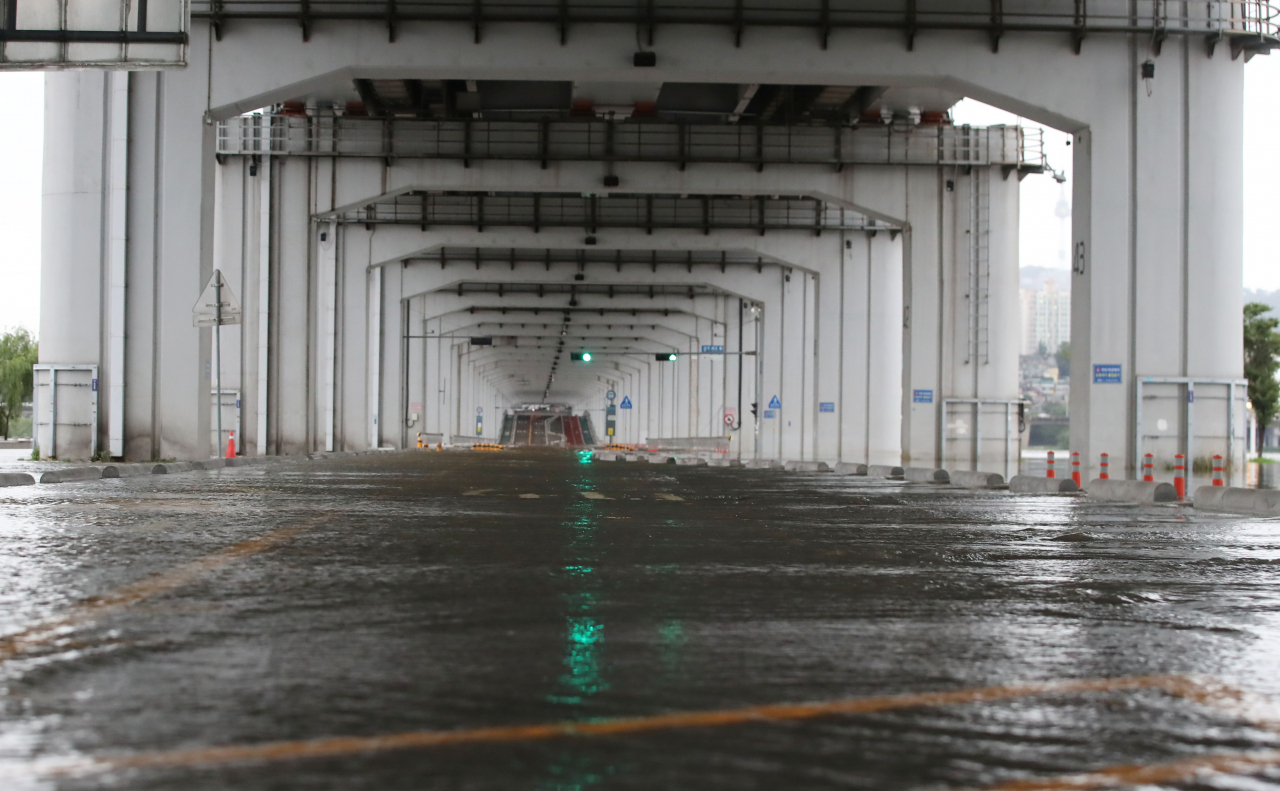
x,y
734,304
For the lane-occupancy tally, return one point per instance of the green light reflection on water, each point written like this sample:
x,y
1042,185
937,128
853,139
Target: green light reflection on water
x,y
582,678
584,632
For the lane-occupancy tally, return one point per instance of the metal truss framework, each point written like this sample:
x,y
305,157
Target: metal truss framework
x,y
1248,26
132,28
682,144
481,210
480,256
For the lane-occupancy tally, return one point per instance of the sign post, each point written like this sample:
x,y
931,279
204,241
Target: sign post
x,y
217,306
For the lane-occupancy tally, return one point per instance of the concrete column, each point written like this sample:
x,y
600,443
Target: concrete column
x,y
391,388
73,244
142,264
884,345
1158,263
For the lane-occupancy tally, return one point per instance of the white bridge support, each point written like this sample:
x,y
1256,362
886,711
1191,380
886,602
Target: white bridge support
x,y
900,295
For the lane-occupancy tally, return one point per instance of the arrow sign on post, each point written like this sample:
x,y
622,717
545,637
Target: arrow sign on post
x,y
217,305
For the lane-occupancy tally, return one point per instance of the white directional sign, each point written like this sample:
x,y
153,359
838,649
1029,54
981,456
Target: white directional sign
x,y
217,295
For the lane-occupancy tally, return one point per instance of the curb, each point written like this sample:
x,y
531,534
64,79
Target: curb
x,y
16,479
977,480
806,466
1232,500
1034,484
1132,491
850,468
925,475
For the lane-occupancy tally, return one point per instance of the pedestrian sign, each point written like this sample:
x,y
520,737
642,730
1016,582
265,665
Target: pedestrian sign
x,y
626,402
774,403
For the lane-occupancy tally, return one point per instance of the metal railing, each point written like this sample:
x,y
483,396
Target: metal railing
x,y
327,135
1077,18
590,212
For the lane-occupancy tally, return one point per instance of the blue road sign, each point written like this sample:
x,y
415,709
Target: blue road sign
x,y
610,395
826,406
774,403
770,413
717,348
922,396
626,402
1106,374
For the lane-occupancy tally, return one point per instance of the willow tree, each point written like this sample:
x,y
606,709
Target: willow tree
x,y
1261,348
17,355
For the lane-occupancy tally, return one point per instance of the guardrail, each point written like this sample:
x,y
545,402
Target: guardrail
x,y
327,135
997,18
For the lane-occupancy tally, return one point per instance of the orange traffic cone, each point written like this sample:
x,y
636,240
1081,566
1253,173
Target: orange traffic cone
x,y
231,446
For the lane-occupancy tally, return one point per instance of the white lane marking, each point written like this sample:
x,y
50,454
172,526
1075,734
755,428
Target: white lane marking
x,y
666,496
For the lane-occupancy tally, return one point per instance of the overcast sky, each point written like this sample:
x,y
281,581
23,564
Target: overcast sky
x,y
1044,240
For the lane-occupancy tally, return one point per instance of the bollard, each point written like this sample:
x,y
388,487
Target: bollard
x,y
1105,474
1148,468
1049,467
231,446
439,446
419,440
1075,468
1179,476
1217,471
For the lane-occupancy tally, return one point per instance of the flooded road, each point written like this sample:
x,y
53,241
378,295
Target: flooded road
x,y
509,620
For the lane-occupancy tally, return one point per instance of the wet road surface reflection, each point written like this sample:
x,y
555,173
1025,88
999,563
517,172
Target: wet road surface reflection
x,y
422,621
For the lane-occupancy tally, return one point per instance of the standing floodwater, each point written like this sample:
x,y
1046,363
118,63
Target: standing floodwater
x,y
430,620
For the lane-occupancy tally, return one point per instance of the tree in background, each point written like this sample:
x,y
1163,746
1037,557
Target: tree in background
x,y
17,355
1064,358
1261,348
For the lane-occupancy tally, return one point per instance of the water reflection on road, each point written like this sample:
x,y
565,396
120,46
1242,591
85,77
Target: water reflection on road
x,y
422,621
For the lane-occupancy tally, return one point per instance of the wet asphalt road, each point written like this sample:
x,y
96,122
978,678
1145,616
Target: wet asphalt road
x,y
151,621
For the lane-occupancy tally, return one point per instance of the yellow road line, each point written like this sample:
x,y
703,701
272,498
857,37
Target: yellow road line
x,y
52,628
352,745
1140,775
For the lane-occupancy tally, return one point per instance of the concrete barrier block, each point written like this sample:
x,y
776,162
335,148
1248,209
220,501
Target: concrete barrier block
x,y
604,455
806,466
724,463
970,479
209,464
850,468
1132,491
925,475
1035,484
691,461
1233,500
885,471
168,467
126,470
16,479
763,464
71,474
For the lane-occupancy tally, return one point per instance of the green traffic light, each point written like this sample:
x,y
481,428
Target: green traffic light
x,y
586,357
672,357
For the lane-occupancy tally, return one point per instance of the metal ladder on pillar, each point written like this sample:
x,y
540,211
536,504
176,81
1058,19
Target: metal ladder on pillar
x,y
979,295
